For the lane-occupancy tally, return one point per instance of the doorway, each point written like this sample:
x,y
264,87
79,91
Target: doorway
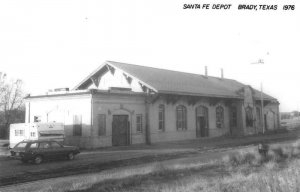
x,y
120,130
202,122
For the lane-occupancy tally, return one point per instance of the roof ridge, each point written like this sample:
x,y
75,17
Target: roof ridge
x,y
189,73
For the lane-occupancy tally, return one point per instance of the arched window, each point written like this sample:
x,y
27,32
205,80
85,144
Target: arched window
x,y
161,117
233,116
220,117
249,117
258,115
181,123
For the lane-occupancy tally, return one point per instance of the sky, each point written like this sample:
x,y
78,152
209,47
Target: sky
x,y
57,43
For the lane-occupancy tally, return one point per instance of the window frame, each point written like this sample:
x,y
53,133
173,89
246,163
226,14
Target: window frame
x,y
36,147
139,125
19,132
32,134
249,116
44,145
181,118
58,145
233,116
220,117
258,114
36,118
161,117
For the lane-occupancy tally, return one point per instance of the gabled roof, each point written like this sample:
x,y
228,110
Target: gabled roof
x,y
175,82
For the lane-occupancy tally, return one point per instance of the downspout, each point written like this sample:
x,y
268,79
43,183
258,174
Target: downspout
x,y
28,112
92,115
148,133
278,117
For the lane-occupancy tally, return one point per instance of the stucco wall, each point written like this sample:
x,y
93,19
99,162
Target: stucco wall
x,y
271,119
272,113
61,109
117,105
172,134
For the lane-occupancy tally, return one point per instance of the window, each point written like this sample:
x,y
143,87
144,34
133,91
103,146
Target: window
x,y
55,145
32,134
34,145
249,117
139,123
258,114
161,117
101,124
220,117
37,119
77,125
181,123
233,116
19,132
21,145
44,145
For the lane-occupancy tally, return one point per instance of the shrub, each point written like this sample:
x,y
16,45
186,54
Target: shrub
x,y
236,160
277,154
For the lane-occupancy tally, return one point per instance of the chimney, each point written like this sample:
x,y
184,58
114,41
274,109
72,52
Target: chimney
x,y
206,71
222,73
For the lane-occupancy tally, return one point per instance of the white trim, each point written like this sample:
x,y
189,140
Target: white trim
x,y
128,74
112,65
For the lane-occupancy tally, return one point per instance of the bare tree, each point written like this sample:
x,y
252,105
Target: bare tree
x,y
11,103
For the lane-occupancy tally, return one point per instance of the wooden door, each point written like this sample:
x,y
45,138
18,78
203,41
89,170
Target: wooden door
x,y
120,130
201,121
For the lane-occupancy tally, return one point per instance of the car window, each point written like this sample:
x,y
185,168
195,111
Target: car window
x,y
33,145
21,145
44,145
55,145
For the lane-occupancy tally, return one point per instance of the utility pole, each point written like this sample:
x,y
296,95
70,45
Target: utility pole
x,y
261,62
262,108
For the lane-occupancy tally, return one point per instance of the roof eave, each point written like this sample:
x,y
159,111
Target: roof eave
x,y
89,76
200,95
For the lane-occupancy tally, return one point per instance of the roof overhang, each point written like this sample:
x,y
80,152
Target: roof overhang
x,y
199,95
88,78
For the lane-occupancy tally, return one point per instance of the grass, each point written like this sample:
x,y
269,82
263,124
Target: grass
x,y
245,170
278,170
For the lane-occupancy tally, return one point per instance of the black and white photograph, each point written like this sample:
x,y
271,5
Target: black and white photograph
x,y
149,96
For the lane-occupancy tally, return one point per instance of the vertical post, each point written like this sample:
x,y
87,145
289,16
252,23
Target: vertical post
x,y
28,112
222,73
262,107
148,132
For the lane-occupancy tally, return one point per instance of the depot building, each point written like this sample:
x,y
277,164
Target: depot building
x,y
123,104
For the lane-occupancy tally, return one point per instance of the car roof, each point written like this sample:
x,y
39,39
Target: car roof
x,y
37,141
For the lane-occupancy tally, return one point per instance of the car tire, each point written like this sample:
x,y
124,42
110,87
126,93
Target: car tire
x,y
38,159
71,156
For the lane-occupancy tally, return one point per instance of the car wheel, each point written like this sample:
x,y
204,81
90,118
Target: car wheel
x,y
38,159
71,156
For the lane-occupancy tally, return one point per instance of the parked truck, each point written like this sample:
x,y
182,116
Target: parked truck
x,y
35,131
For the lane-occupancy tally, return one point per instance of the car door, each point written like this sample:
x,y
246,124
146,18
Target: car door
x,y
57,150
44,149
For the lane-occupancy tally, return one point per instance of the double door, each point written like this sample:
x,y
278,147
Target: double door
x,y
120,130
